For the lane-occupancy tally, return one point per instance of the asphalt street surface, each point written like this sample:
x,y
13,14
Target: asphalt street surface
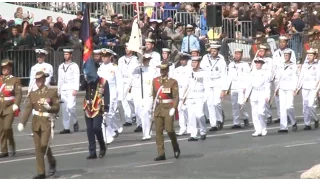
x,y
224,154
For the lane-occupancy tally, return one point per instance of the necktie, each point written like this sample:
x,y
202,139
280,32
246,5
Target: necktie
x,y
188,44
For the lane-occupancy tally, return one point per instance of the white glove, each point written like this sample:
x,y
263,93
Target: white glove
x,y
15,107
47,106
104,120
20,127
172,111
184,107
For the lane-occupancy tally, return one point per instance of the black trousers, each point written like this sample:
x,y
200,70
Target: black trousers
x,y
94,129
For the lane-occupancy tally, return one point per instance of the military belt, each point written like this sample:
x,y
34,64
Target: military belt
x,y
41,114
2,99
164,100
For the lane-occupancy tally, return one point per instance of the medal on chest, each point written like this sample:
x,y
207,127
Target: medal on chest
x,y
166,90
8,88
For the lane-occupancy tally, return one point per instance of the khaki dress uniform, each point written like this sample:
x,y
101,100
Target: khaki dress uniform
x,y
42,125
10,99
167,99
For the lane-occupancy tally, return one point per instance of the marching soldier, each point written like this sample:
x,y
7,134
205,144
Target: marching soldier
x,y
237,81
10,99
287,80
166,94
181,74
143,77
166,58
215,67
96,108
43,103
68,86
110,72
258,91
127,64
156,58
198,83
309,83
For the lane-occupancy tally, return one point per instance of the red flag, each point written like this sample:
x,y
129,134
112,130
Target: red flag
x,y
85,34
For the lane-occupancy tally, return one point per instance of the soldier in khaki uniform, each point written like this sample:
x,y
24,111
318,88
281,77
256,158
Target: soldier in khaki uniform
x,y
10,99
44,103
166,94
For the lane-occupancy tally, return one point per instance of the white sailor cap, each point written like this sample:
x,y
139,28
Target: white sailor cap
x,y
41,51
166,50
194,50
147,56
214,46
283,38
287,51
258,59
196,58
311,51
149,40
189,26
263,47
114,53
155,20
97,51
127,44
213,42
238,50
259,35
184,54
68,50
107,51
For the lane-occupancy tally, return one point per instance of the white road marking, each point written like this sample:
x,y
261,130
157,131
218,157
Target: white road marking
x,y
155,164
133,145
302,144
302,171
75,176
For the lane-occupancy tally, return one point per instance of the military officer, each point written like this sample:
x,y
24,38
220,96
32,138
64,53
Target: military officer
x,y
165,93
96,107
143,94
43,103
309,83
215,67
166,58
287,81
237,83
40,66
181,74
68,86
198,87
97,56
10,99
156,58
258,90
110,72
127,64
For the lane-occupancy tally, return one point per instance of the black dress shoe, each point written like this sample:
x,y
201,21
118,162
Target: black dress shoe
x,y
40,176
192,139
134,119
52,168
220,125
213,129
92,156
116,135
65,131
316,124
307,128
127,124
246,122
277,121
3,155
294,127
12,149
76,127
160,158
203,137
282,131
236,127
269,120
207,121
102,153
177,152
138,129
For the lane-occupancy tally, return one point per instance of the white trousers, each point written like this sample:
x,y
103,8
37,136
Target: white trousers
x,y
214,106
237,98
109,132
138,119
286,108
258,110
183,117
268,112
128,107
68,108
309,105
144,113
196,116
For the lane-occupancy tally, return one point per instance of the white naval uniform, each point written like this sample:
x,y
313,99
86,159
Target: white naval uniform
x,y
195,103
156,59
111,73
144,104
68,81
278,59
287,79
126,66
238,76
182,75
259,87
216,70
46,68
310,75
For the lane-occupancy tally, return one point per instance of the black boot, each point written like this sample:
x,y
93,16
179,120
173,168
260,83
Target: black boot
x,y
52,168
76,127
246,122
102,152
138,129
160,158
3,155
40,176
65,131
316,124
213,129
176,151
220,125
294,127
92,156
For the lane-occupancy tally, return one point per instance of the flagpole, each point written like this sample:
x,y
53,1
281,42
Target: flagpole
x,y
140,38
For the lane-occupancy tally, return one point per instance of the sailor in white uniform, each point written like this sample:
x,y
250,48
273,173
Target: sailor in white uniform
x,y
156,58
166,58
68,86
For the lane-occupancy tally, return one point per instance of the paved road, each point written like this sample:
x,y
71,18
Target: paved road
x,y
224,154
